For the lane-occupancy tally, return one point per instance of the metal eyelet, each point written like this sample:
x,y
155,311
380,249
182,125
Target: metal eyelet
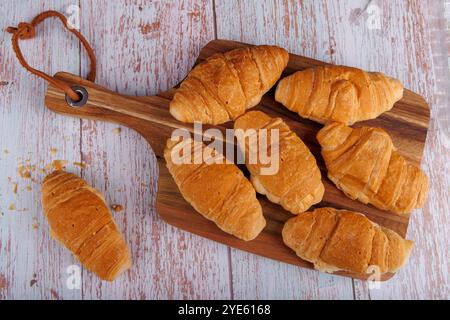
x,y
82,93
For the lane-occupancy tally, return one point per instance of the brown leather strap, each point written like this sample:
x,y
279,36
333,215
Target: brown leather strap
x,y
27,31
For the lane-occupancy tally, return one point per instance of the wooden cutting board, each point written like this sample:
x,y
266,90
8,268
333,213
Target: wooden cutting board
x,y
407,123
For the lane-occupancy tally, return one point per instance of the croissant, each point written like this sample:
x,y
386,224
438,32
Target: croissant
x,y
81,221
297,184
220,192
338,93
226,84
364,164
336,240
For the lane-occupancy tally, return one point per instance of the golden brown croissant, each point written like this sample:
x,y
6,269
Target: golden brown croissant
x,y
336,240
338,93
220,192
364,164
80,219
226,84
297,184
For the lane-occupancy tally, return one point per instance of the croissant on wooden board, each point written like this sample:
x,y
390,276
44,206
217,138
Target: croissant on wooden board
x,y
220,192
226,84
336,240
80,220
296,184
365,165
338,93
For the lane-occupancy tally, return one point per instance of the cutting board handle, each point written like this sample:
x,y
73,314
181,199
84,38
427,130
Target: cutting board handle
x,y
143,114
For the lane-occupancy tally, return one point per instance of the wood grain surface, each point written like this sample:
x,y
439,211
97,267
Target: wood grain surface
x,y
407,124
145,47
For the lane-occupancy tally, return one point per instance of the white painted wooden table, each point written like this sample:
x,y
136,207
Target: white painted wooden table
x,y
147,46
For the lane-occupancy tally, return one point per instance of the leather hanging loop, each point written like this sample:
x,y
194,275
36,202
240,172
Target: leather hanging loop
x,y
26,30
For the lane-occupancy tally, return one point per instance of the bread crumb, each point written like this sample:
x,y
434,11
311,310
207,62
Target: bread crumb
x,y
117,207
15,186
53,151
54,294
59,164
28,188
33,282
80,164
35,223
6,151
117,130
47,168
12,207
3,282
25,170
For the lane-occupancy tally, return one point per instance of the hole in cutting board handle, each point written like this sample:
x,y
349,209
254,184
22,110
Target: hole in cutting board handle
x,y
82,93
